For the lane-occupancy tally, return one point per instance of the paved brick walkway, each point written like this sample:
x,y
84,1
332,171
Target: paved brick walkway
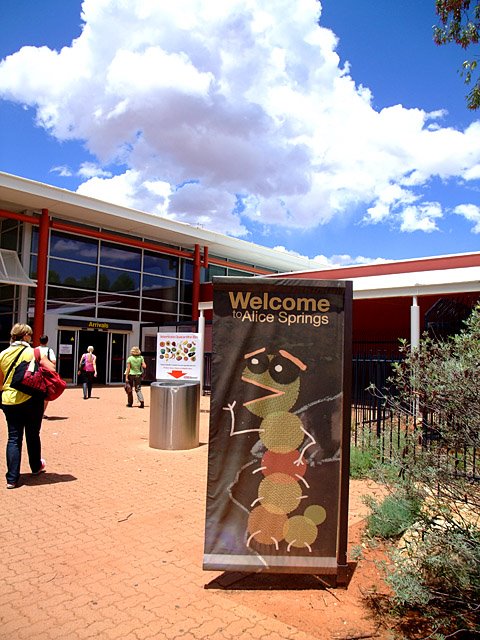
x,y
108,543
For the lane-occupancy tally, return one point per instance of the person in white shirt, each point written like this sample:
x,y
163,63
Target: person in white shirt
x,y
45,350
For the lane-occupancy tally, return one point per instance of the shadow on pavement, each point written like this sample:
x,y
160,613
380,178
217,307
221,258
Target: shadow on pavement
x,y
47,478
278,581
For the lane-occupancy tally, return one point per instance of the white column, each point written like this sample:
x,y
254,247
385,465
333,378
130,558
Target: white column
x,y
201,332
22,315
414,324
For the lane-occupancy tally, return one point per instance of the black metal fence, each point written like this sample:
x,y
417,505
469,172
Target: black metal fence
x,y
380,425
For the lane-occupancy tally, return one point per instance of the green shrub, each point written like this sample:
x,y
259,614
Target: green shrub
x,y
362,463
437,575
448,560
434,570
392,516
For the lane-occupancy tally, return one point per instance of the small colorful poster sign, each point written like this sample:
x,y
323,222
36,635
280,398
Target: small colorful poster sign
x,y
178,356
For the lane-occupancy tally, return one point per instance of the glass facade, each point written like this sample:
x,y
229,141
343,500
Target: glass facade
x,y
100,279
103,279
217,270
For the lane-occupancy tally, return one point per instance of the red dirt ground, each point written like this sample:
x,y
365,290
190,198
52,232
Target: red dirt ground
x,y
108,544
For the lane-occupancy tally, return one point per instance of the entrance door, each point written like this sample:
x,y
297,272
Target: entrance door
x,y
117,357
66,355
110,349
98,340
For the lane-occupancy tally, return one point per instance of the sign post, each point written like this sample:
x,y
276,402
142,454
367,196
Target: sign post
x,y
277,494
175,395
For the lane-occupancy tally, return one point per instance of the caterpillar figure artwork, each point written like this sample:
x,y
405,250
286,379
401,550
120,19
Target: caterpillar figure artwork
x,y
281,491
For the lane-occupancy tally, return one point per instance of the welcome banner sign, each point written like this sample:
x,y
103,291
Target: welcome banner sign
x,y
277,491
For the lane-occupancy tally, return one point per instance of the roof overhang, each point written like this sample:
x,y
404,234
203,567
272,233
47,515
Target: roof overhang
x,y
418,283
20,194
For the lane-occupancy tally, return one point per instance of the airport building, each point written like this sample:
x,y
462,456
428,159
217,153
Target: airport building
x,y
87,272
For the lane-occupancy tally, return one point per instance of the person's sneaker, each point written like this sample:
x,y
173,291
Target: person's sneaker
x,y
42,469
11,485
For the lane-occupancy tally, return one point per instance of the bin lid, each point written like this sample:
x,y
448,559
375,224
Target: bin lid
x,y
175,383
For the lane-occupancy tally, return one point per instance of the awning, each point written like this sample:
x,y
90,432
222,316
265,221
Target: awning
x,y
12,271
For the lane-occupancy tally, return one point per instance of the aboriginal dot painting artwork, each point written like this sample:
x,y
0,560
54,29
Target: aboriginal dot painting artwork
x,y
276,424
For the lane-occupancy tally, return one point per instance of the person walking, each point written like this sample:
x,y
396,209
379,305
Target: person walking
x,y
87,371
133,375
48,352
23,413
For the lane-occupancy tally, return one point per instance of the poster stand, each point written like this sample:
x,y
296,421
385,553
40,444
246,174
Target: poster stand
x,y
278,470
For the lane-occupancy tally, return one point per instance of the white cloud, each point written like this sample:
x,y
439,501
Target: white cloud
x,y
211,104
90,170
324,262
421,217
345,260
472,173
206,207
117,190
62,170
470,212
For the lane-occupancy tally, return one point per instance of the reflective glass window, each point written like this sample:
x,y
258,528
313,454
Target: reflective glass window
x,y
72,274
33,267
62,245
61,295
160,319
10,235
186,290
161,306
7,292
118,300
113,255
187,270
117,280
71,295
185,310
72,309
118,314
215,270
153,287
34,240
160,265
237,272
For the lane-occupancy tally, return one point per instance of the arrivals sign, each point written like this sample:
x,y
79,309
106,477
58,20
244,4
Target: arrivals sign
x,y
178,356
277,489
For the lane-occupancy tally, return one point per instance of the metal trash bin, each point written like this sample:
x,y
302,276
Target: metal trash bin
x,y
174,415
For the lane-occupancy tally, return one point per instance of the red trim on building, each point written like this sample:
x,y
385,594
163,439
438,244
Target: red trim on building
x,y
143,244
42,260
22,217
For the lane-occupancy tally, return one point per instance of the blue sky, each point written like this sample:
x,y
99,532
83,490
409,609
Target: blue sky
x,y
348,142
